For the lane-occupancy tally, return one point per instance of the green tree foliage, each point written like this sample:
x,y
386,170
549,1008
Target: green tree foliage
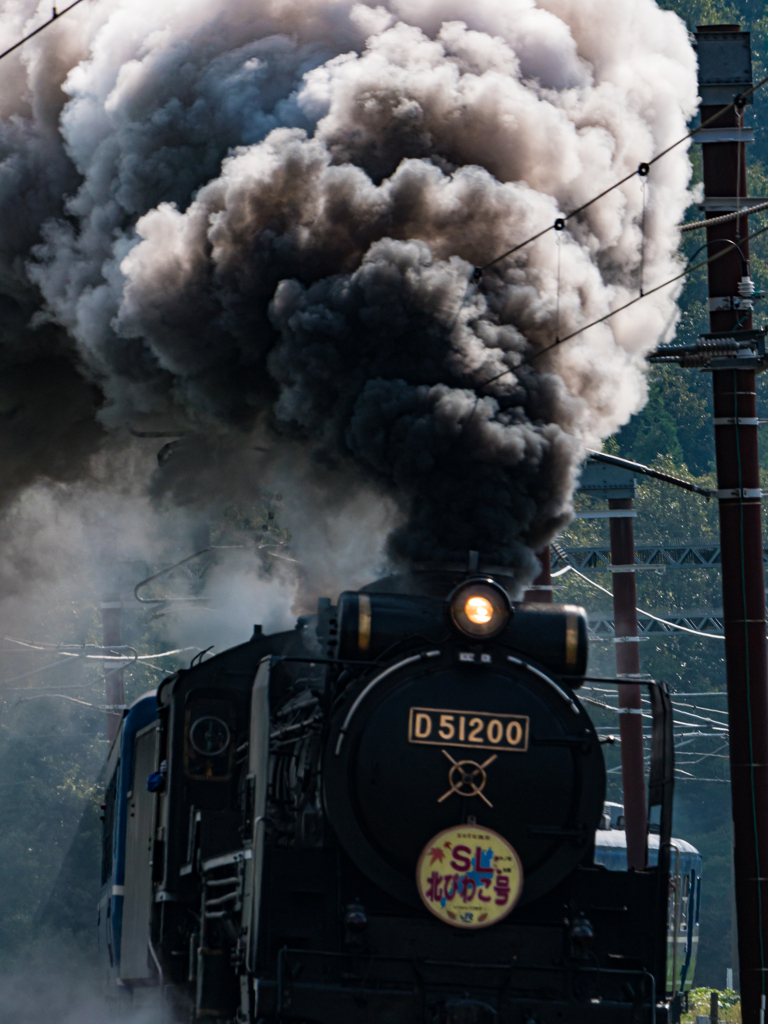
x,y
699,1002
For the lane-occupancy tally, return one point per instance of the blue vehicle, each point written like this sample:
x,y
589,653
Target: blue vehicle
x,y
684,888
126,850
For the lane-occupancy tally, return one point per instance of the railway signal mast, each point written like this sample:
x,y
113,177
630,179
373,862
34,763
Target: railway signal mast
x,y
734,352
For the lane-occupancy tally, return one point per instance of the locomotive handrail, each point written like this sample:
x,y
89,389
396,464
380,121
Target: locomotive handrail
x,y
694,896
158,967
374,682
545,677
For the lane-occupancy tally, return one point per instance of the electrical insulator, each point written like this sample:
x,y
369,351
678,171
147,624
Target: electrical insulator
x,y
746,287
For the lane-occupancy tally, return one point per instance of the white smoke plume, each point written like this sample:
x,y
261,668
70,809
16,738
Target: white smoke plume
x,y
261,221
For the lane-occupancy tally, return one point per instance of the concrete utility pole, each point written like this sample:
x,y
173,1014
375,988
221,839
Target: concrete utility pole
x,y
733,352
628,667
738,482
619,486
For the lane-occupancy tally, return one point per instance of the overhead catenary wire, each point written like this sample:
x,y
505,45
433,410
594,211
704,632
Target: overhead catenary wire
x,y
650,615
686,742
144,659
692,730
642,170
702,693
619,309
697,756
698,693
697,778
111,709
714,711
686,758
78,650
700,755
712,222
679,709
61,696
54,17
36,671
609,707
645,714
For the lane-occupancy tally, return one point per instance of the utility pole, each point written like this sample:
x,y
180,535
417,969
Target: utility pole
x,y
627,645
619,486
733,352
114,575
114,678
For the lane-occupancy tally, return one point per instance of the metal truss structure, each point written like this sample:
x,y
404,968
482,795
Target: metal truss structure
x,y
601,627
671,555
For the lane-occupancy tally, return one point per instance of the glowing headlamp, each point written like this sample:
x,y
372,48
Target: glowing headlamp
x,y
480,608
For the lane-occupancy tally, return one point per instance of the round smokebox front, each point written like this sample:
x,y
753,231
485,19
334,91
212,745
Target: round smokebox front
x,y
441,743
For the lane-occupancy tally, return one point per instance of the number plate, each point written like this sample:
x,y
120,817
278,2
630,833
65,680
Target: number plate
x,y
439,727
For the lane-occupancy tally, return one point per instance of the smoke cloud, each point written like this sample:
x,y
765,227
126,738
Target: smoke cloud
x,y
54,985
260,223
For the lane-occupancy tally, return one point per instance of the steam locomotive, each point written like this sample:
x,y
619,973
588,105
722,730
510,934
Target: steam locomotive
x,y
387,814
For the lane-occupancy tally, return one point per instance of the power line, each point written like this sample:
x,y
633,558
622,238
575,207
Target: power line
x,y
78,650
36,671
642,171
142,659
54,17
712,222
559,341
656,618
714,711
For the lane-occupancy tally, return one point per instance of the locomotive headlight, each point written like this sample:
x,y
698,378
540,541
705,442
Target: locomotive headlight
x,y
480,608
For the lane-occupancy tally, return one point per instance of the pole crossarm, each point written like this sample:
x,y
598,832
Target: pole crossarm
x,y
656,474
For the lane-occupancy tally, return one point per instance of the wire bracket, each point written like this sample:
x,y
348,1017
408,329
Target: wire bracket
x,y
738,492
732,421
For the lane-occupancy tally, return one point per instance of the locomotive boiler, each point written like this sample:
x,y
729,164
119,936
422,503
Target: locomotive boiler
x,y
386,814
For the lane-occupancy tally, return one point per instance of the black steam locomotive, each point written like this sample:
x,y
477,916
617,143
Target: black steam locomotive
x,y
387,814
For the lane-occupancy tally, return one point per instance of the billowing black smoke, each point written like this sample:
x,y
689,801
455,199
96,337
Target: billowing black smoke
x,y
263,222
368,366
